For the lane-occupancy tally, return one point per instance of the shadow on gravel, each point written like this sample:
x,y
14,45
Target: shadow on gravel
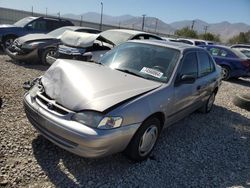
x,y
29,65
243,82
203,150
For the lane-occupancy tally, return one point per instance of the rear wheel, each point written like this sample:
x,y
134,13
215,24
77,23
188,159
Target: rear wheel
x,y
225,71
46,54
144,140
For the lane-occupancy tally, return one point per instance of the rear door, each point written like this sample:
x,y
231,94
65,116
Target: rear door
x,y
185,95
206,78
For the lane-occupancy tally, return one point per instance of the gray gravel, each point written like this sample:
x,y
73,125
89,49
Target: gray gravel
x,y
211,150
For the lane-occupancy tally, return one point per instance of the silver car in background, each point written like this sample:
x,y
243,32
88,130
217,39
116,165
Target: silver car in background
x,y
123,102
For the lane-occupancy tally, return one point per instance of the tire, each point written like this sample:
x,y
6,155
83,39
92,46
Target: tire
x,y
209,104
49,51
225,71
8,41
144,140
242,101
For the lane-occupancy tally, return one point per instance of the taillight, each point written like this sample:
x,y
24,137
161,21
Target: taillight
x,y
246,63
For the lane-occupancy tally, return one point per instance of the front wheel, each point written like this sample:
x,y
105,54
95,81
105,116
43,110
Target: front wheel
x,y
144,140
46,56
8,42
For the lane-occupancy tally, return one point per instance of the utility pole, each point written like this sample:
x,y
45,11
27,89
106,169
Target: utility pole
x,y
32,11
59,15
156,23
119,25
101,16
143,20
205,29
81,21
192,27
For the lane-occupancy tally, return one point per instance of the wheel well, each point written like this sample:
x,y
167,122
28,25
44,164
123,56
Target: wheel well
x,y
9,36
40,51
216,90
158,115
225,65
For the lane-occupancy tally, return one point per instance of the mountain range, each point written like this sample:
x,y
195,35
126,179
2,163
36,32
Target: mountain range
x,y
224,29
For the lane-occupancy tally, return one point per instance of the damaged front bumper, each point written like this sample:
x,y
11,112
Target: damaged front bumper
x,y
20,55
73,136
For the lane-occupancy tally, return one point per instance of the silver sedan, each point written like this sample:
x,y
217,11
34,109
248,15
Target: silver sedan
x,y
122,102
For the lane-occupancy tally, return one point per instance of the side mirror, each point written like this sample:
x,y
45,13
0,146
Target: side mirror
x,y
29,27
187,79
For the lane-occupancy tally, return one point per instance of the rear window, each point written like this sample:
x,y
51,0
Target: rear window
x,y
197,43
205,63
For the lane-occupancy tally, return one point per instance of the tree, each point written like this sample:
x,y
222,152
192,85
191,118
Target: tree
x,y
186,32
210,37
241,38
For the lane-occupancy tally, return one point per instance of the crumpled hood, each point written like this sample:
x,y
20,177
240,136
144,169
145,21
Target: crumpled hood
x,y
78,39
34,37
79,85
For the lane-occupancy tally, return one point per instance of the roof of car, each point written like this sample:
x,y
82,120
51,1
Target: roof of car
x,y
216,45
79,27
163,43
129,31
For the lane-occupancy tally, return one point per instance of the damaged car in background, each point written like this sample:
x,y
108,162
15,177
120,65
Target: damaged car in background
x,y
28,25
40,47
123,102
90,47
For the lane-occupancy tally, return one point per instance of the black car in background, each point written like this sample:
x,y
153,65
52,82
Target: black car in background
x,y
39,47
28,25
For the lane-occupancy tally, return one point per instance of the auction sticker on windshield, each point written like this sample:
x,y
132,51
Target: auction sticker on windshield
x,y
152,72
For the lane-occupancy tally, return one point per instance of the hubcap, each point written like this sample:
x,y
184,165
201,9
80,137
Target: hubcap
x,y
8,42
51,53
148,140
225,73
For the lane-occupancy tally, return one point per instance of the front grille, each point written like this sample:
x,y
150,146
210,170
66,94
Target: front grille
x,y
51,104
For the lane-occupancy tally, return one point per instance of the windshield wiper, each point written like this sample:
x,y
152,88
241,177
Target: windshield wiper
x,y
130,72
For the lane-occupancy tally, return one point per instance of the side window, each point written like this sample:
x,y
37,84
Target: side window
x,y
39,25
52,25
214,51
139,37
189,65
153,38
197,43
223,53
205,64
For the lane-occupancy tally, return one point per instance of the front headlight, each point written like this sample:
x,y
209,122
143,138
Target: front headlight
x,y
97,120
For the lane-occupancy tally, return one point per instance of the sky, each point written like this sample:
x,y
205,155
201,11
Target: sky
x,y
211,11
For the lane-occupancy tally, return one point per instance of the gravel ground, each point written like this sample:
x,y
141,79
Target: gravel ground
x,y
211,150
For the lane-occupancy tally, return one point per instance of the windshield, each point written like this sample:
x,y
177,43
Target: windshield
x,y
24,21
143,60
239,54
58,32
245,52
